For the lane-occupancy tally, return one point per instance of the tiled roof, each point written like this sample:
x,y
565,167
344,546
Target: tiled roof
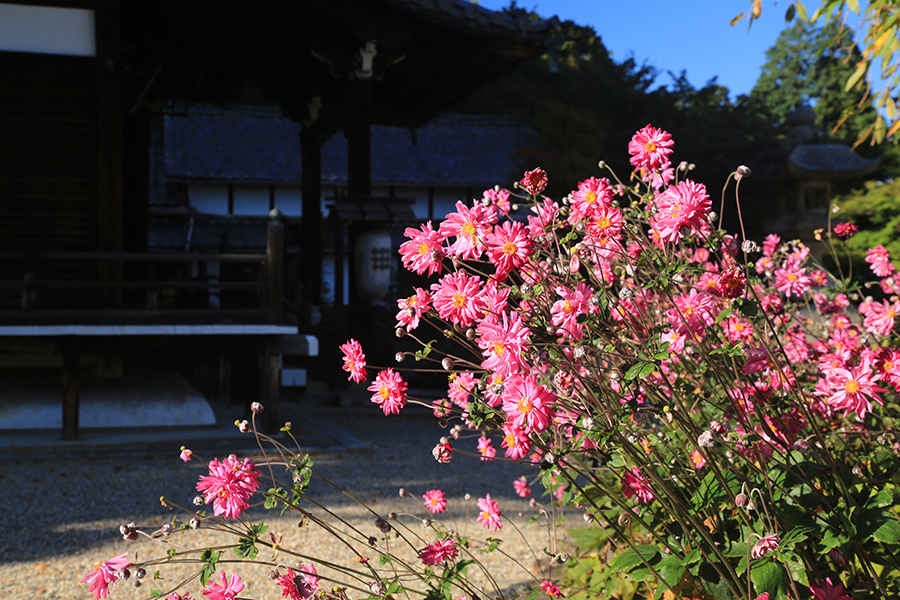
x,y
258,144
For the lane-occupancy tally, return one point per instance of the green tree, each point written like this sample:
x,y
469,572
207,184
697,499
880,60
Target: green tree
x,y
811,65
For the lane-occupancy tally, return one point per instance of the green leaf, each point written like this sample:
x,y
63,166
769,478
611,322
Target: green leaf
x,y
854,5
714,583
211,557
789,15
639,371
801,10
881,525
796,567
671,569
855,77
155,593
710,490
631,558
769,577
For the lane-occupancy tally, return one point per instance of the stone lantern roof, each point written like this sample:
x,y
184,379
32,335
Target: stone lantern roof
x,y
803,154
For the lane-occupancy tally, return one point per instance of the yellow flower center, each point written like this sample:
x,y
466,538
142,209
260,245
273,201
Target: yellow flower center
x,y
458,300
792,277
509,248
385,392
852,386
524,405
650,147
590,196
468,229
499,348
603,223
423,249
568,308
510,440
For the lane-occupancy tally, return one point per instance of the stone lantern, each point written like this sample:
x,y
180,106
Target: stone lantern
x,y
800,173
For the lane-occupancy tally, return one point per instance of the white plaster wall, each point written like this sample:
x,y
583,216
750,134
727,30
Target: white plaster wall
x,y
209,198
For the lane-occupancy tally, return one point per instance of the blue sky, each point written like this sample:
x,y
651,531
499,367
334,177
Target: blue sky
x,y
676,34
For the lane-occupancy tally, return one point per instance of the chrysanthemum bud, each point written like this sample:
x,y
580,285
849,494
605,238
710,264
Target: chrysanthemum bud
x,y
123,574
399,357
580,351
447,363
199,500
166,529
274,574
683,166
742,171
402,492
400,332
256,408
525,289
802,446
136,583
718,427
243,426
195,523
602,164
129,532
382,525
442,452
749,246
470,334
392,515
742,500
706,440
588,518
140,573
857,470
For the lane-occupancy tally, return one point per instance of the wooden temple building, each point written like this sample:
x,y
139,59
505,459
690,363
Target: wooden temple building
x,y
83,86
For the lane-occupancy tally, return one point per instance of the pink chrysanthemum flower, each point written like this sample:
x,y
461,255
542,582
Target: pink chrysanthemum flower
x,y
697,459
354,361
880,261
105,573
435,501
681,206
229,485
299,586
225,590
390,391
522,488
551,589
489,513
177,596
528,404
442,453
424,252
764,545
503,344
692,313
852,390
412,309
544,219
516,441
845,230
460,388
880,317
498,198
650,148
635,484
534,181
731,283
486,448
565,312
829,591
508,247
792,280
458,298
592,194
186,454
439,552
469,225
606,223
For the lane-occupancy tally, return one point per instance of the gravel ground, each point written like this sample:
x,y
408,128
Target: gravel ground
x,y
61,515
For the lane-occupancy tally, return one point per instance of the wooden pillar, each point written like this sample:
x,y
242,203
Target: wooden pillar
x,y
270,387
311,239
71,391
275,269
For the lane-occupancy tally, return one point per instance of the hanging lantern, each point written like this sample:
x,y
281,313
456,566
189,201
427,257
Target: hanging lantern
x,y
374,257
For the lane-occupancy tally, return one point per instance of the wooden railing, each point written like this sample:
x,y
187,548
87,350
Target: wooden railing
x,y
267,308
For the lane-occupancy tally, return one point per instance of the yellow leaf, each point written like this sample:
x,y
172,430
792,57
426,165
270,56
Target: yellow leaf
x,y
801,10
854,79
890,107
881,40
737,19
880,131
894,128
854,5
757,8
